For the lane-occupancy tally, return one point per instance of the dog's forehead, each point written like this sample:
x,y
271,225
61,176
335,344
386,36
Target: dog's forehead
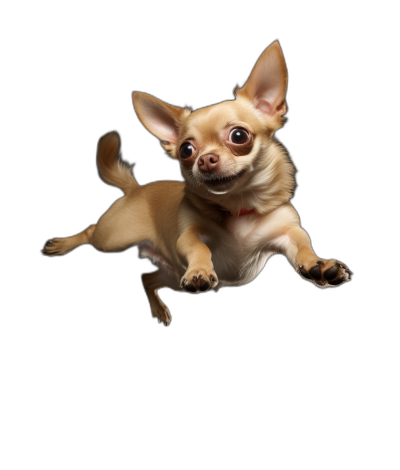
x,y
211,119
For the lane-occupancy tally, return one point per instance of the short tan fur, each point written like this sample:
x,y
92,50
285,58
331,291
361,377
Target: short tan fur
x,y
220,226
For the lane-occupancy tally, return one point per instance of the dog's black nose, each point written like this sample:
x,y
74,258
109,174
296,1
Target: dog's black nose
x,y
208,162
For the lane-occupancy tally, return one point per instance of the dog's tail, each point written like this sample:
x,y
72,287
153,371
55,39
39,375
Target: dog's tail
x,y
112,169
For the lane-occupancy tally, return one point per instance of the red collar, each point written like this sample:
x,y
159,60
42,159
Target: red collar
x,y
242,211
245,211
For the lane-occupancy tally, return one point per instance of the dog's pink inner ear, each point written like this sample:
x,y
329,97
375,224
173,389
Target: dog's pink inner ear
x,y
267,83
162,125
160,118
264,106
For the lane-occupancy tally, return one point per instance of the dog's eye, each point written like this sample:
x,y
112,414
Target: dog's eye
x,y
239,136
186,150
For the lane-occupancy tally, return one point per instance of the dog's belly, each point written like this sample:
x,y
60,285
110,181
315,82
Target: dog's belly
x,y
239,267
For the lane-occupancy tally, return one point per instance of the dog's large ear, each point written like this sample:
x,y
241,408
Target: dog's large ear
x,y
161,119
267,83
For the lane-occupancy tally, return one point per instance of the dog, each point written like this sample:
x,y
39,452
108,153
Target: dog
x,y
218,227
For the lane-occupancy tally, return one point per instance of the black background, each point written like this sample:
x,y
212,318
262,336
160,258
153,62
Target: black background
x,y
90,309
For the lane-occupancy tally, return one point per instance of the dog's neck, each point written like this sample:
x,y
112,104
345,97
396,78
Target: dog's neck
x,y
245,211
239,213
213,209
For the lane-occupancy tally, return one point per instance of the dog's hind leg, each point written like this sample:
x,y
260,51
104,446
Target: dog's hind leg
x,y
154,281
62,246
126,223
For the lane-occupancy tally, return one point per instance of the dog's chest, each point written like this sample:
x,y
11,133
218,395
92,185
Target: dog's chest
x,y
238,252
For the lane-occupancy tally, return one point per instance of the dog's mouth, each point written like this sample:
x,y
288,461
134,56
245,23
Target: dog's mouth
x,y
218,183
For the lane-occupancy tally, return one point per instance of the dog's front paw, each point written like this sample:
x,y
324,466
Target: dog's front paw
x,y
327,273
199,280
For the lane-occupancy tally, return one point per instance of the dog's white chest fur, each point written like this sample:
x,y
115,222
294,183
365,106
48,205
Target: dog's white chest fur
x,y
236,251
240,251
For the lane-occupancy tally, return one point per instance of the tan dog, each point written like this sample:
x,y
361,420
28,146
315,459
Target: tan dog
x,y
233,211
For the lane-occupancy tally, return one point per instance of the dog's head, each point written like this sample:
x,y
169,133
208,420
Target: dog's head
x,y
223,148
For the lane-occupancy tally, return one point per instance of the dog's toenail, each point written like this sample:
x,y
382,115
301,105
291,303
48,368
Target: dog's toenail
x,y
303,272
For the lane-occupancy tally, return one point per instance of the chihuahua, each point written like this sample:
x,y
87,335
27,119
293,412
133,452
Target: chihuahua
x,y
232,212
